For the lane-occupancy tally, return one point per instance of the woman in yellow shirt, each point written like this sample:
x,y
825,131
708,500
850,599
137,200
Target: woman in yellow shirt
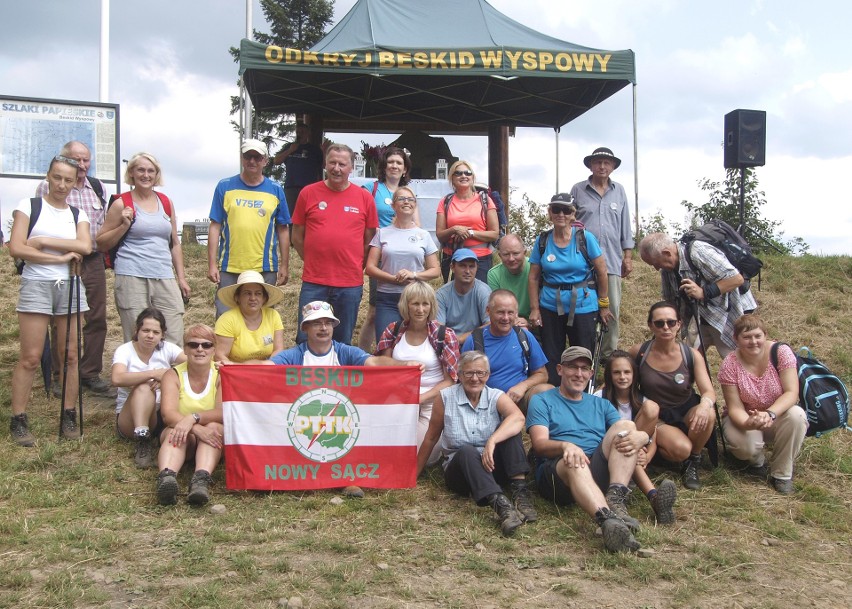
x,y
191,407
251,330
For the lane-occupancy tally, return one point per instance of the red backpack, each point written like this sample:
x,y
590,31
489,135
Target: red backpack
x,y
126,199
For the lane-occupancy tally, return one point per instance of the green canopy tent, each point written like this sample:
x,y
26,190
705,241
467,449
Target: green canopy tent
x,y
447,66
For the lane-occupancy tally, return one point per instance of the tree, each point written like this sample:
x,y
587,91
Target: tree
x,y
297,24
528,220
762,234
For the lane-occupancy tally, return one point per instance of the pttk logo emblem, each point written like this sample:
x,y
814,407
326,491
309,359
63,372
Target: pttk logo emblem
x,y
323,425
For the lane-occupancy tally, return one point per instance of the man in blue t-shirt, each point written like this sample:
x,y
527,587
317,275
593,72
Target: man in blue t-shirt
x,y
517,367
584,448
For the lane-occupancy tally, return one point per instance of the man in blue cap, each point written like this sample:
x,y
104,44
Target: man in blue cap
x,y
462,302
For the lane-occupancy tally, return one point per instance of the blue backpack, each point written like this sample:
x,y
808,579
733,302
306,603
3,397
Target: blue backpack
x,y
822,394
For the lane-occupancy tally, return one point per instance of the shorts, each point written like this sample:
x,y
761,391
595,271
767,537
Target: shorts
x,y
551,486
675,416
155,433
50,297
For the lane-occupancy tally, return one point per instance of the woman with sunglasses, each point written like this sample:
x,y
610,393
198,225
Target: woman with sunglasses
x,y
52,248
148,264
394,172
668,370
463,221
567,285
138,367
192,413
400,254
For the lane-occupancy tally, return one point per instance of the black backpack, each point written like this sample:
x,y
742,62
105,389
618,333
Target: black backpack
x,y
724,238
479,344
35,212
822,394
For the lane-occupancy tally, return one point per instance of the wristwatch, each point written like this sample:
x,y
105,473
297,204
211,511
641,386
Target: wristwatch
x,y
771,414
197,418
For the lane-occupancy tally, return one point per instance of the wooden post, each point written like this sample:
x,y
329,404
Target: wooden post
x,y
189,234
498,161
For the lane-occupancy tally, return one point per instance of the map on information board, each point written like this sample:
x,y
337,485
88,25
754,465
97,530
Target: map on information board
x,y
32,131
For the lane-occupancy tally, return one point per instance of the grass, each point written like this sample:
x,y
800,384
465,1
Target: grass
x,y
79,525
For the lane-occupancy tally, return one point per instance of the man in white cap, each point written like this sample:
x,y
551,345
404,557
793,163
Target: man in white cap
x,y
603,209
584,449
249,223
320,348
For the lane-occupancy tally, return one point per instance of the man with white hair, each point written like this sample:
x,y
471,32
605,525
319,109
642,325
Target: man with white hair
x,y
249,225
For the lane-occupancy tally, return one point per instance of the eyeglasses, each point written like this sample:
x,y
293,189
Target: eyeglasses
x,y
195,345
563,209
662,323
405,200
480,374
64,159
458,173
577,368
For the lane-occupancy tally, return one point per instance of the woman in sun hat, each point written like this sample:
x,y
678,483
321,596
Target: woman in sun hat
x,y
251,330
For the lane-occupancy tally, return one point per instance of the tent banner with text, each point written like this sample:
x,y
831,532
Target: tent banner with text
x,y
302,427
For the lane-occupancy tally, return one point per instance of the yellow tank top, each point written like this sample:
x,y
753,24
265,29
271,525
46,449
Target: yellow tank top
x,y
189,401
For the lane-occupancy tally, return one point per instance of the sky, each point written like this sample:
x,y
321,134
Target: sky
x,y
172,75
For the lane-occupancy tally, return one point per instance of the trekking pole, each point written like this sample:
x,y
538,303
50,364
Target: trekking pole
x,y
697,315
67,346
79,350
600,329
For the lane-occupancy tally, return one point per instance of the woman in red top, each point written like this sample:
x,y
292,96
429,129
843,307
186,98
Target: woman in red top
x,y
464,222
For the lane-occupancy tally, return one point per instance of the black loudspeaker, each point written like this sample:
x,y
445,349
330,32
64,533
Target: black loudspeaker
x,y
745,139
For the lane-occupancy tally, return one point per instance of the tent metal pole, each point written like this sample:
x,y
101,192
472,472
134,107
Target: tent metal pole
x,y
556,134
635,166
244,91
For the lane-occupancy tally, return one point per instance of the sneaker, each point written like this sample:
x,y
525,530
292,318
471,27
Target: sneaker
x,y
616,499
167,487
509,517
785,487
19,427
616,534
70,431
199,488
758,471
144,454
689,473
663,502
522,498
98,386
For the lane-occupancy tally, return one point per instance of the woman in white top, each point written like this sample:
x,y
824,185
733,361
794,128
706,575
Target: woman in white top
x,y
400,254
419,337
56,243
138,367
621,388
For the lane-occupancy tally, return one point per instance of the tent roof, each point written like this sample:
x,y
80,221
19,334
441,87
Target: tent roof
x,y
445,64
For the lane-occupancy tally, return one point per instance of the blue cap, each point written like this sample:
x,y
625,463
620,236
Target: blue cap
x,y
463,254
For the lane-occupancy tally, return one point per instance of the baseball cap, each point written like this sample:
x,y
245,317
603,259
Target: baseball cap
x,y
254,145
572,353
318,310
463,253
563,198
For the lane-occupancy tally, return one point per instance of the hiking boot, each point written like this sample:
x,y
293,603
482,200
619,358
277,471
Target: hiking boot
x,y
689,473
56,389
523,500
616,498
19,427
144,454
70,431
616,534
199,488
785,487
758,471
167,487
663,502
98,386
509,517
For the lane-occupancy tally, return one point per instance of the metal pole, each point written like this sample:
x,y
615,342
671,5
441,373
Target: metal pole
x,y
556,132
635,165
742,200
103,85
247,131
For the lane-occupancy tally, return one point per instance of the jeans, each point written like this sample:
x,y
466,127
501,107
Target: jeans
x,y
345,301
387,311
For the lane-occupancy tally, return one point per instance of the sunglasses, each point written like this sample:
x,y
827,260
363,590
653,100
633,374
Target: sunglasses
x,y
459,173
563,209
64,159
405,200
662,323
195,345
248,156
316,306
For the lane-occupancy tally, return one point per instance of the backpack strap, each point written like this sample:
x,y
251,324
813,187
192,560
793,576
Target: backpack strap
x,y
642,354
166,203
773,355
478,340
35,212
442,333
525,347
686,352
376,189
98,187
542,242
396,326
483,198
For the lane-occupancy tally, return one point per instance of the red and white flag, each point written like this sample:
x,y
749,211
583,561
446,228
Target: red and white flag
x,y
302,427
